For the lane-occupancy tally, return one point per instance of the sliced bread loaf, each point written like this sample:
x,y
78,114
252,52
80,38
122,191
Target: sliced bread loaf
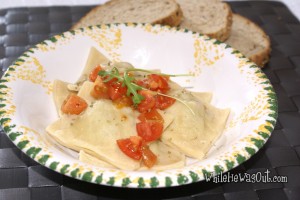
x,y
210,17
165,12
250,40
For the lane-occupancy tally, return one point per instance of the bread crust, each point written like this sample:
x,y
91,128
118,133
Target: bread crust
x,y
93,10
224,33
173,19
262,57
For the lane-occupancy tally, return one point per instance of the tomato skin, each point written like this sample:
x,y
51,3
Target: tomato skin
x,y
73,105
157,82
94,73
152,115
149,131
131,147
135,148
99,92
163,102
148,157
148,103
144,83
100,89
116,90
144,130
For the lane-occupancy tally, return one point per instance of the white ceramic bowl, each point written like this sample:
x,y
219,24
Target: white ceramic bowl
x,y
27,108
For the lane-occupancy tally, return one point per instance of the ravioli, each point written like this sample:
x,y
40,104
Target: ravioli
x,y
85,90
87,158
190,126
97,130
95,58
194,132
167,157
60,93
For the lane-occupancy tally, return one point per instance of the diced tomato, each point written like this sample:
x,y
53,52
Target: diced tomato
x,y
148,157
94,73
73,105
152,115
142,83
149,131
116,90
148,103
135,148
157,82
100,89
124,101
163,102
110,81
131,147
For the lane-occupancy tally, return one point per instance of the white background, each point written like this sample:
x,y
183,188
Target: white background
x,y
293,5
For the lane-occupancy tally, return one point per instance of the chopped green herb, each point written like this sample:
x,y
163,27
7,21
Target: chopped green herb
x,y
132,88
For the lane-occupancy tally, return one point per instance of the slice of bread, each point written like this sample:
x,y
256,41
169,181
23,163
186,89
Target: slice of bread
x,y
210,17
165,12
249,39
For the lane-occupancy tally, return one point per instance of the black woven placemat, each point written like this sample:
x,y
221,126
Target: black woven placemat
x,y
22,178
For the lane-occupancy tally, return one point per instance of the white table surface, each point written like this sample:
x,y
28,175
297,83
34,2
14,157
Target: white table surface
x,y
293,5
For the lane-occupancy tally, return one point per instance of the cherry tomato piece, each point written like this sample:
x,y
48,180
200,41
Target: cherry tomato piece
x,y
94,73
73,105
148,103
131,147
100,89
149,131
144,83
163,102
148,157
152,115
157,82
116,90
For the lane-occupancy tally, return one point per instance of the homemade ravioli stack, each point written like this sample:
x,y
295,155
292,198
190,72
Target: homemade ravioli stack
x,y
190,125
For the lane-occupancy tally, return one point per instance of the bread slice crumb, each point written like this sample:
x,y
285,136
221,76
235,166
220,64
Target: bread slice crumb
x,y
165,12
250,40
209,17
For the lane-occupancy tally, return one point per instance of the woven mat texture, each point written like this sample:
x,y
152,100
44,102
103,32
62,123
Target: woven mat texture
x,y
23,178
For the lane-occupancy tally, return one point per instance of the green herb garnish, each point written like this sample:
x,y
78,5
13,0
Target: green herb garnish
x,y
133,88
109,75
126,81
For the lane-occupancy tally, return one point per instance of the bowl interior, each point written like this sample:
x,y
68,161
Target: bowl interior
x,y
235,83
